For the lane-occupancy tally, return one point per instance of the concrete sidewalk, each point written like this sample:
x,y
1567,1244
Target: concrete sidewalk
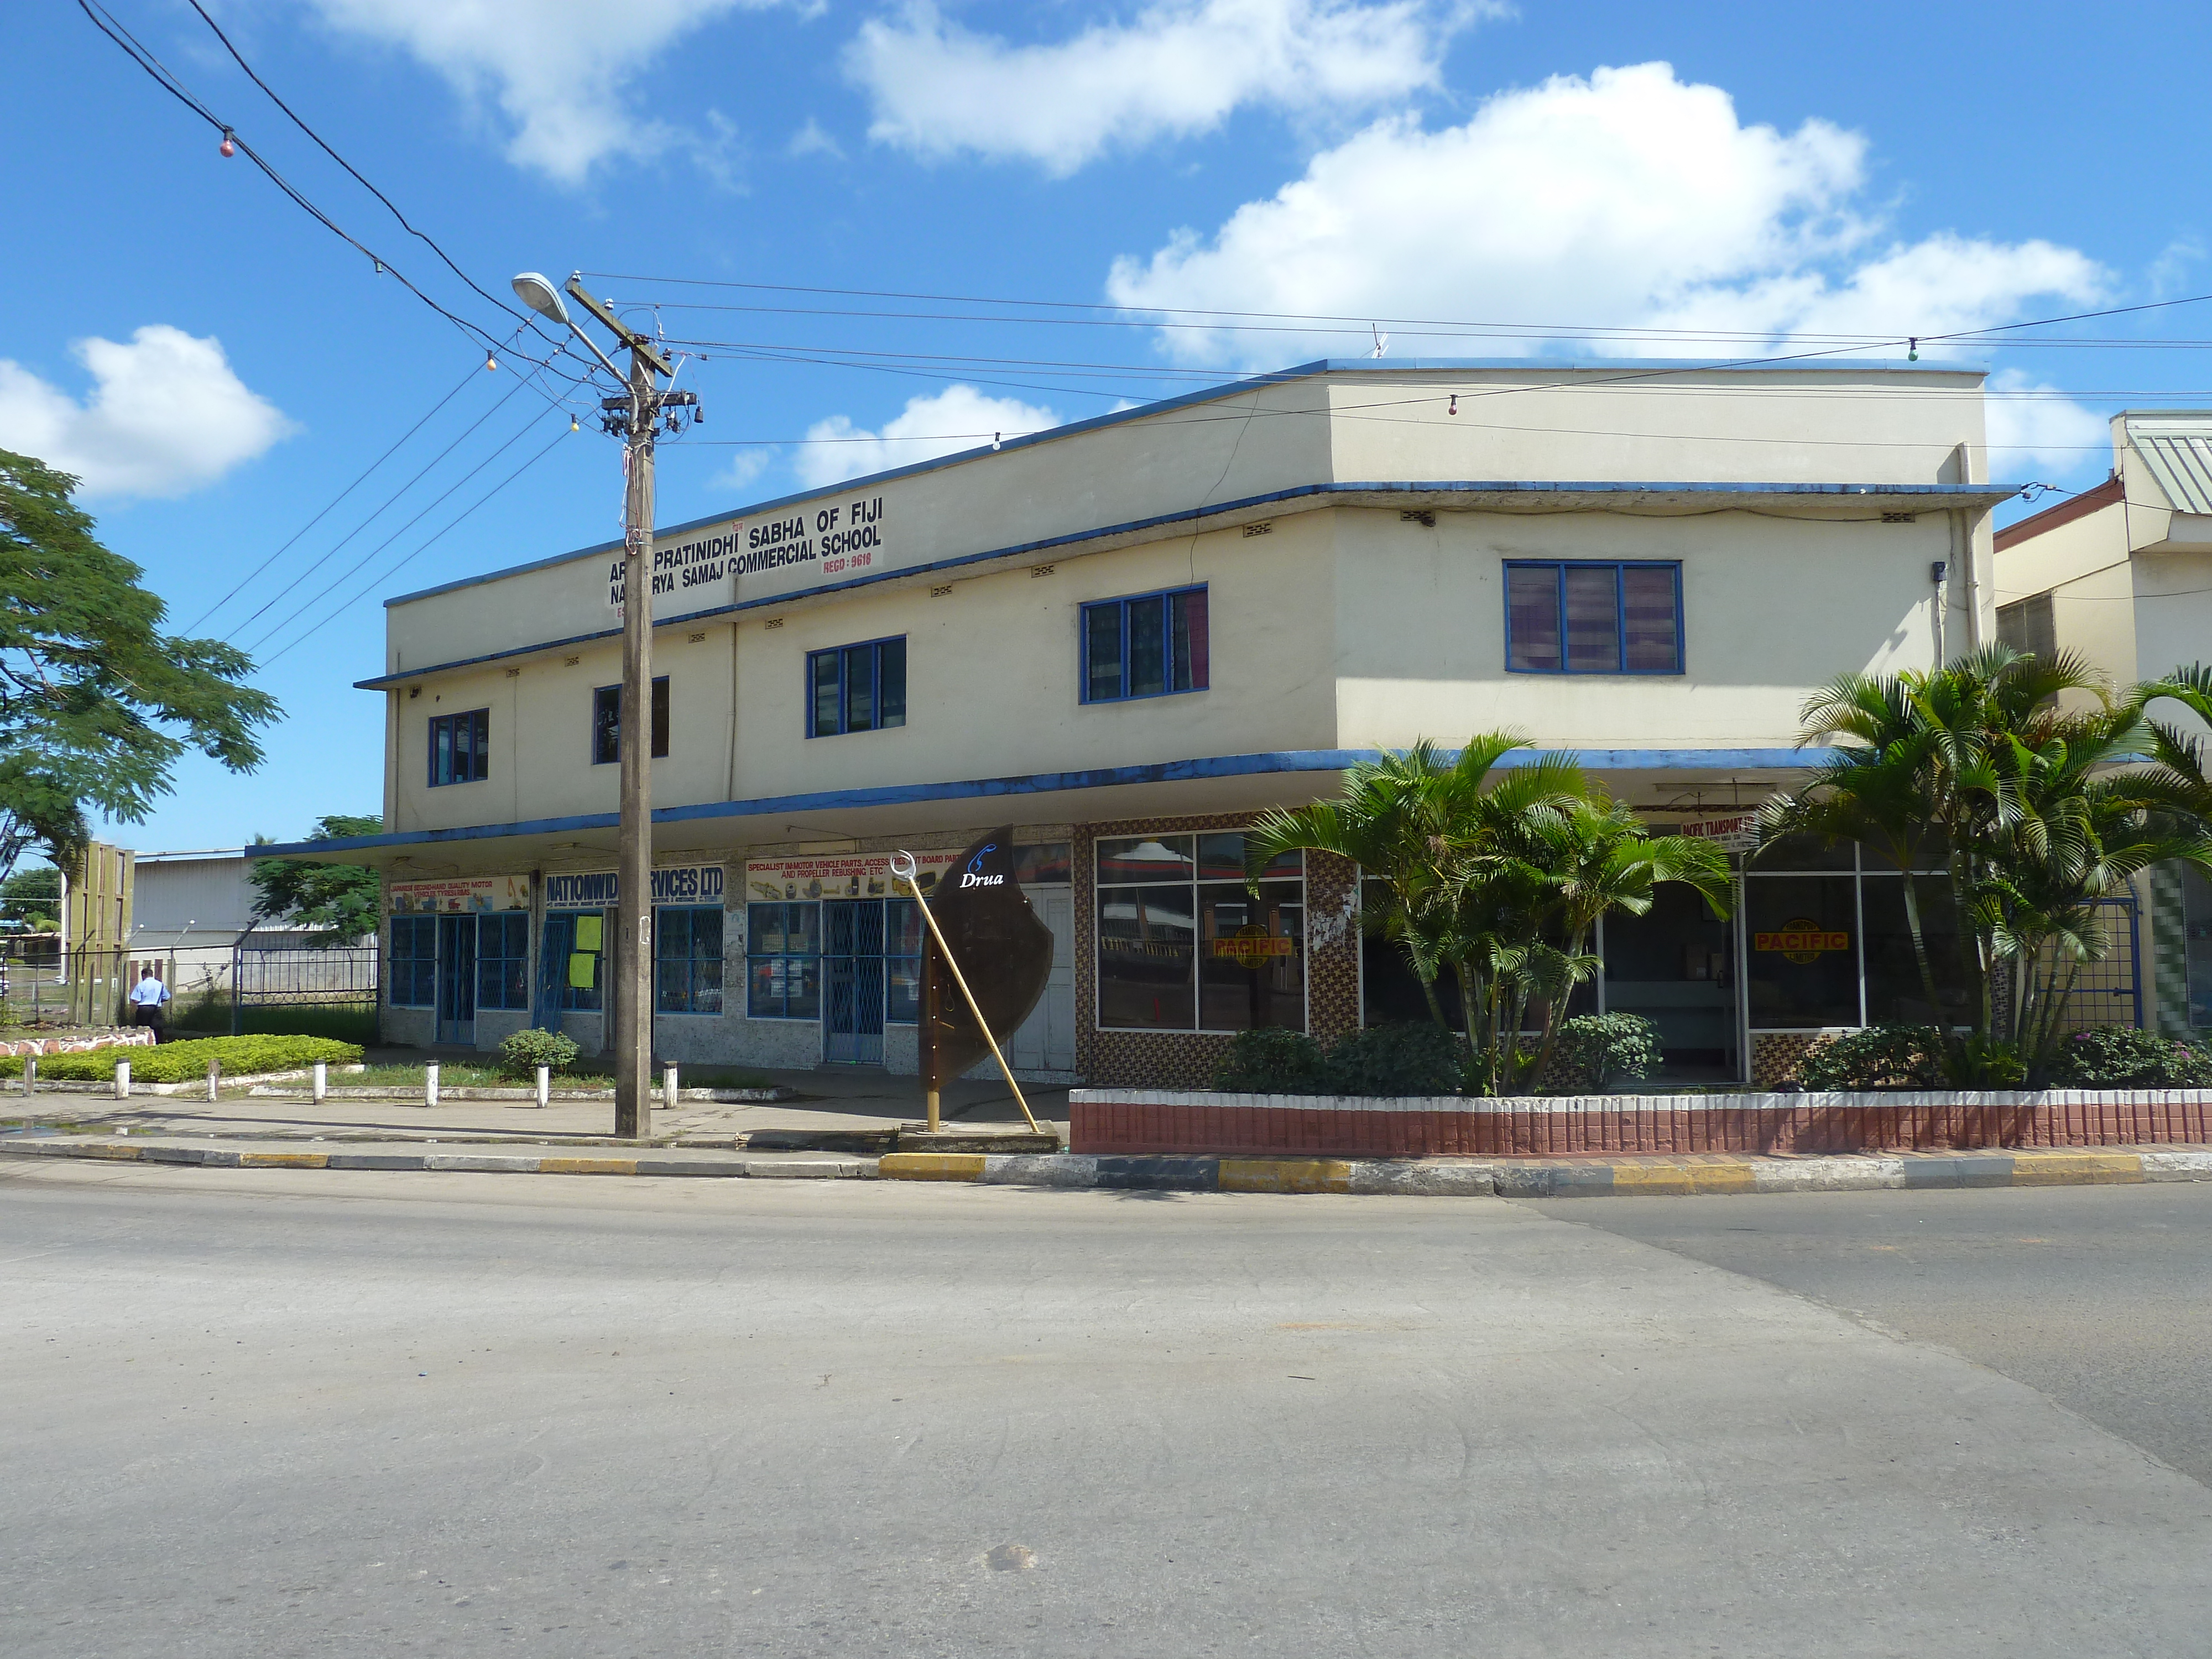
x,y
828,1103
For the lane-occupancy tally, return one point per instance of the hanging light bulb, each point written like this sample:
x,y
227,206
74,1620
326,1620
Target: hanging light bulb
x,y
1912,352
229,145
491,363
995,437
572,423
1454,410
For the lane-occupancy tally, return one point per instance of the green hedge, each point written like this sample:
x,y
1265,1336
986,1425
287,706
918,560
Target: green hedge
x,y
180,1062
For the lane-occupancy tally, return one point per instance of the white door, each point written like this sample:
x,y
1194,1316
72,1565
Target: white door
x,y
1046,1041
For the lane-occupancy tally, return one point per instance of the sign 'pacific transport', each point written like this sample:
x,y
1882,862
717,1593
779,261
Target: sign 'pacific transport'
x,y
701,570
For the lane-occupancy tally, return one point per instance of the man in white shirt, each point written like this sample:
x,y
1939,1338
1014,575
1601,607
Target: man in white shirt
x,y
147,998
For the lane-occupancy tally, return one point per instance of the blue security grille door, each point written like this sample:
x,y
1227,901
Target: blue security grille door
x,y
456,979
852,957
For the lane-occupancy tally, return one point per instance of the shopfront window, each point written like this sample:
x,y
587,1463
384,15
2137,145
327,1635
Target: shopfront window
x,y
414,962
2197,924
571,952
688,959
902,963
503,960
783,961
1183,946
1895,994
1802,933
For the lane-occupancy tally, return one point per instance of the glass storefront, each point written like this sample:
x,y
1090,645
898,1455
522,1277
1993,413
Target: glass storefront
x,y
1184,946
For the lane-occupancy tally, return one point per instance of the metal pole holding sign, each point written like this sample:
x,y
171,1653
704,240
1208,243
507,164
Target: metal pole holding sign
x,y
904,867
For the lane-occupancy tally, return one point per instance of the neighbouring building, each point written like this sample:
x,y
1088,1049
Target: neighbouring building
x,y
1128,636
2122,574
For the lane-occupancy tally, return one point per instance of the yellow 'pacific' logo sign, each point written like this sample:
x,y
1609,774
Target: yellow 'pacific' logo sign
x,y
1801,938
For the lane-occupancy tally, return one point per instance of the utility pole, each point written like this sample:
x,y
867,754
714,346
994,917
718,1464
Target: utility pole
x,y
637,417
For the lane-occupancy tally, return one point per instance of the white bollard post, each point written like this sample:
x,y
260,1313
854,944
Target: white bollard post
x,y
668,1089
431,1084
214,1077
122,1079
322,1079
544,1086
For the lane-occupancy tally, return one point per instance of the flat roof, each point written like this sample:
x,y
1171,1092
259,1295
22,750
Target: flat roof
x,y
1633,368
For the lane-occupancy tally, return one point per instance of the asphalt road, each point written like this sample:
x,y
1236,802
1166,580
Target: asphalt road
x,y
277,1413
2100,1297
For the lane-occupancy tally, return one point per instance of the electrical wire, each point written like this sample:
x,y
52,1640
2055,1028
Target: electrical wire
x,y
331,505
386,575
332,552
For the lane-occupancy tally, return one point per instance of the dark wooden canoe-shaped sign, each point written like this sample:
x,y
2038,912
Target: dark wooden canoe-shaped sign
x,y
1004,953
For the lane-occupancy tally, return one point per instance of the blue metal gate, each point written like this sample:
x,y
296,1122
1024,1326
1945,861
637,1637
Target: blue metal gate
x,y
457,980
852,953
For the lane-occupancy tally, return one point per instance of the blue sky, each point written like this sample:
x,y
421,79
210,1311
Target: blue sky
x,y
219,367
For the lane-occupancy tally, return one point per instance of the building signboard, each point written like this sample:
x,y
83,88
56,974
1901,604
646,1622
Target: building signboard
x,y
701,568
460,895
856,875
601,890
1738,833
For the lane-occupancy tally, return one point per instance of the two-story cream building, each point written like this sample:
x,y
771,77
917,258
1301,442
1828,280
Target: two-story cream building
x,y
2122,574
1130,635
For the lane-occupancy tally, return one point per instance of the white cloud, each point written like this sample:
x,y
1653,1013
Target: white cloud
x,y
811,140
559,70
1631,198
166,415
2033,429
742,468
959,417
1178,67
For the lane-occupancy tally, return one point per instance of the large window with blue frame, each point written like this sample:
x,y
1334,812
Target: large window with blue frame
x,y
902,963
783,961
563,968
1593,617
856,688
460,747
503,960
1151,645
414,962
687,968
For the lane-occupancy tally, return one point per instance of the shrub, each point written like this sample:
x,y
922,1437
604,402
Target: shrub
x,y
347,1022
1270,1062
1597,1048
180,1062
1877,1057
521,1055
2121,1057
1407,1058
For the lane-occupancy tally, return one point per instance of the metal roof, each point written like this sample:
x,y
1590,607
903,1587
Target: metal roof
x,y
2177,450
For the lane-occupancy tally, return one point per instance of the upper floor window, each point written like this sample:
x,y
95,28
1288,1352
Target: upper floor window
x,y
1145,647
856,688
606,722
1587,616
460,747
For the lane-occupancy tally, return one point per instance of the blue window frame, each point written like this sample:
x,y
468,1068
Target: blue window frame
x,y
902,963
503,960
687,967
783,961
559,948
856,688
1593,617
1150,645
460,747
414,962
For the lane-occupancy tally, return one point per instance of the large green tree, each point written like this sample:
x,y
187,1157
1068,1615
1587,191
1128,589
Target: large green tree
x,y
96,703
338,898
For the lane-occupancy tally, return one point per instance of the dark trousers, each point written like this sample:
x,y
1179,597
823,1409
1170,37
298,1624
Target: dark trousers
x,y
147,1014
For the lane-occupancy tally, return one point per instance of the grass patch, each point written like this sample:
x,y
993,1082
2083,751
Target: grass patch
x,y
181,1062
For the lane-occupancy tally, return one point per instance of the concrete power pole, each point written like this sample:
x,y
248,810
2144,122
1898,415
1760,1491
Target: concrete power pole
x,y
637,417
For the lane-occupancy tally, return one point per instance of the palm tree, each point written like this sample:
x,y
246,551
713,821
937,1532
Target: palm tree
x,y
1500,871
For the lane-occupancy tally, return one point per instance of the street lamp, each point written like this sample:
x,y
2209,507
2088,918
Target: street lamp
x,y
636,417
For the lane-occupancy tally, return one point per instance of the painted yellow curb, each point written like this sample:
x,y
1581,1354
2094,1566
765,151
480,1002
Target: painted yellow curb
x,y
283,1160
2075,1168
1285,1174
1656,1179
588,1166
128,1154
930,1166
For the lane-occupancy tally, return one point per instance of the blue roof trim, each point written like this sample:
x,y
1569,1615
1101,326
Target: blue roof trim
x,y
1040,783
1214,394
1985,493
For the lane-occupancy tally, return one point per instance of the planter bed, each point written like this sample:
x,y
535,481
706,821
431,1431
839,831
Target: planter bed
x,y
1154,1120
